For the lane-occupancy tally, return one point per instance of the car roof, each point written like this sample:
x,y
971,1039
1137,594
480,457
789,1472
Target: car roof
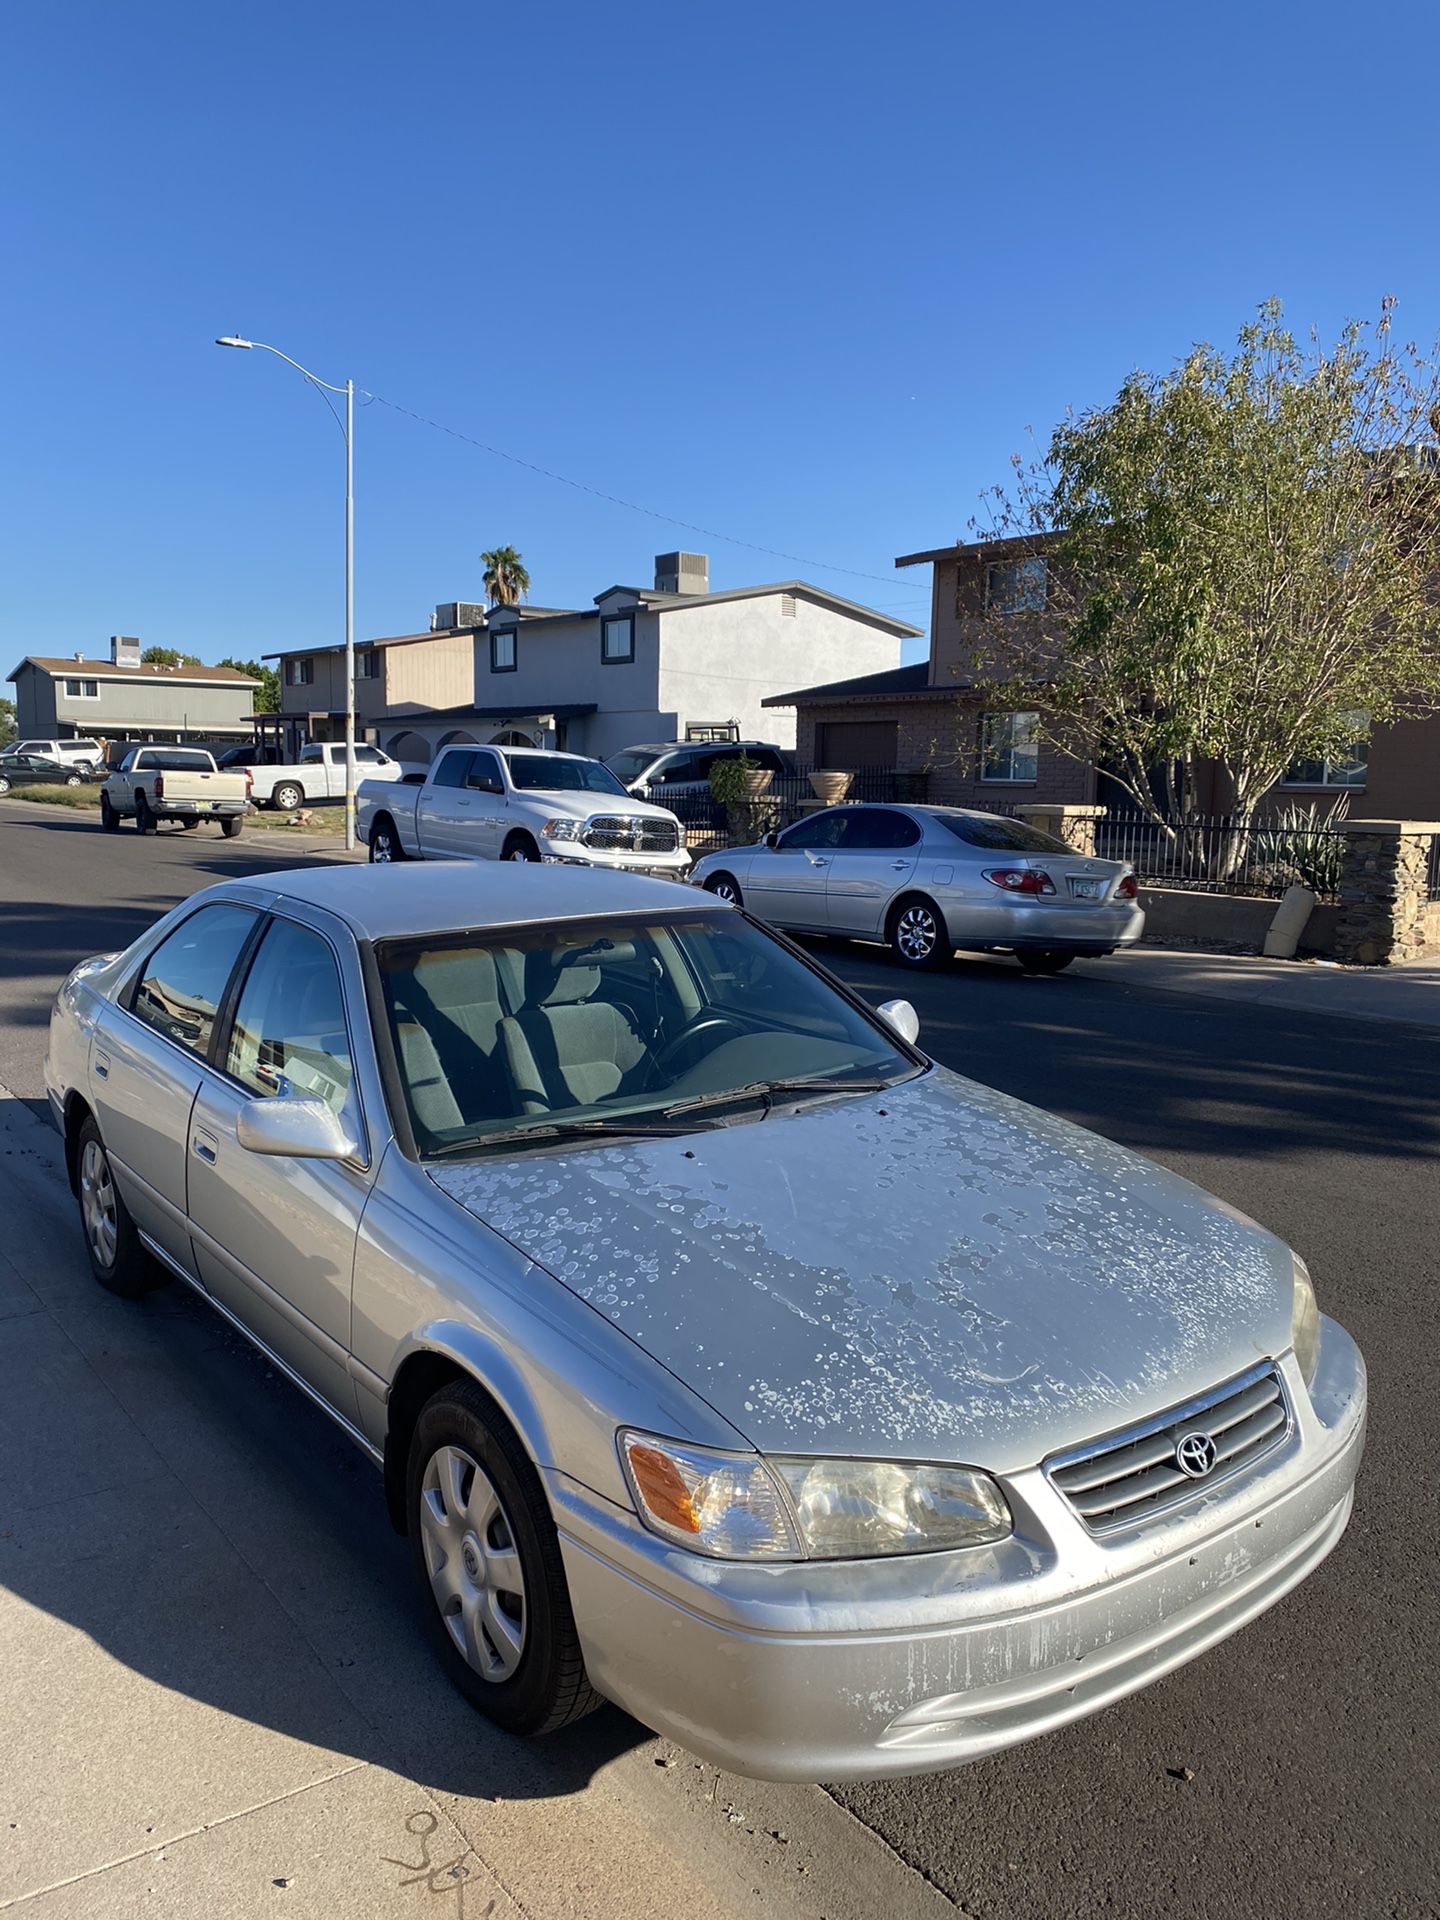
x,y
699,746
390,902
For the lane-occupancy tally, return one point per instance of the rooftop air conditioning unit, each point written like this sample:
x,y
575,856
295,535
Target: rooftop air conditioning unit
x,y
457,613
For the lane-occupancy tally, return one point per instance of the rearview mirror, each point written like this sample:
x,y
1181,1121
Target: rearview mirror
x,y
301,1129
902,1017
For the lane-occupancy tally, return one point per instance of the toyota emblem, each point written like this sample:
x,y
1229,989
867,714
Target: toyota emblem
x,y
1195,1454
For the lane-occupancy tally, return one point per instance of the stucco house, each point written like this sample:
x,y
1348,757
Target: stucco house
x,y
119,698
669,661
932,716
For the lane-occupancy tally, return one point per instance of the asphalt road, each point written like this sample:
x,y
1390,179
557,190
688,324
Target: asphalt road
x,y
1292,1771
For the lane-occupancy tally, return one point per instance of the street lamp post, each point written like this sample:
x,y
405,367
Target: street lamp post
x,y
347,428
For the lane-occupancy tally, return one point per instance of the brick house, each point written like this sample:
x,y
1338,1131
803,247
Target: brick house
x,y
932,717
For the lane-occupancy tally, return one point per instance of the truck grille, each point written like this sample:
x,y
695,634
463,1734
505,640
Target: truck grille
x,y
630,833
1120,1481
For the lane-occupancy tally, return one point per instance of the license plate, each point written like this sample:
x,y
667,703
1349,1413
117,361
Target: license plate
x,y
1087,889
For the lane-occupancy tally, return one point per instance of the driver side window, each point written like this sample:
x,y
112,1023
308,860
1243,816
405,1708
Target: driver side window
x,y
289,1034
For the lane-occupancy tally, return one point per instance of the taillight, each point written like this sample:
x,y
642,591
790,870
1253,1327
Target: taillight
x,y
249,783
1128,889
1020,879
159,786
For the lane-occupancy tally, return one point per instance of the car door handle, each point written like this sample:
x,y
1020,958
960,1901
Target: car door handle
x,y
900,865
102,1066
207,1147
462,803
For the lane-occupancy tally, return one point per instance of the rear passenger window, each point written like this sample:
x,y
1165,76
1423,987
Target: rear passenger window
x,y
184,980
289,1033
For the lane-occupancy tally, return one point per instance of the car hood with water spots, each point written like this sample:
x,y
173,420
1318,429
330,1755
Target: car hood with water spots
x,y
935,1272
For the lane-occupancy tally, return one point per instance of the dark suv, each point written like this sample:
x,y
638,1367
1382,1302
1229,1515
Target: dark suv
x,y
679,769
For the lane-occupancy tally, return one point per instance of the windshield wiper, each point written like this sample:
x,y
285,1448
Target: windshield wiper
x,y
771,1090
556,1130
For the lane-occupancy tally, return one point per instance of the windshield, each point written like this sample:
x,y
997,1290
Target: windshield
x,y
999,836
614,1023
629,767
553,773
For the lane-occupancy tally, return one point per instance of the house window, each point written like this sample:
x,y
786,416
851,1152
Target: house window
x,y
1345,769
1009,749
299,673
82,690
367,664
617,639
1016,586
503,654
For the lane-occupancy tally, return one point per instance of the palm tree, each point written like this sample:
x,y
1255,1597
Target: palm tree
x,y
505,576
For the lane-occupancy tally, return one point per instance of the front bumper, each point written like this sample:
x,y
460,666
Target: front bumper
x,y
834,1671
567,853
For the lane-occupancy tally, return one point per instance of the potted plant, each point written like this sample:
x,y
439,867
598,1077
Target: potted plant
x,y
830,787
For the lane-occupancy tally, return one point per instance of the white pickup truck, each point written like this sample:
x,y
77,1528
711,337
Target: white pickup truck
x,y
519,803
319,773
174,783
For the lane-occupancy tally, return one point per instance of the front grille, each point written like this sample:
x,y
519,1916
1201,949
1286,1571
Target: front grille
x,y
1120,1481
630,833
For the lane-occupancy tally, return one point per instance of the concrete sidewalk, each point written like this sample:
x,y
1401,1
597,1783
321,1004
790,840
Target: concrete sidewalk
x,y
1409,994
216,1697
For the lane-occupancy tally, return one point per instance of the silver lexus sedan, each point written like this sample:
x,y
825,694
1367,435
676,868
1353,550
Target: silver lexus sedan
x,y
927,880
720,1353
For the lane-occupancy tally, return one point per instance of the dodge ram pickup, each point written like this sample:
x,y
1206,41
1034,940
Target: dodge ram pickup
x,y
174,783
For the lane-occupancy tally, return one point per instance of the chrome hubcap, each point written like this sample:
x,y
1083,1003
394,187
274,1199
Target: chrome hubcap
x,y
517,853
382,849
724,891
473,1563
97,1204
916,933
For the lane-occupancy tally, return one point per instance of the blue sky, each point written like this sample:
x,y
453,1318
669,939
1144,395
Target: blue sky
x,y
803,275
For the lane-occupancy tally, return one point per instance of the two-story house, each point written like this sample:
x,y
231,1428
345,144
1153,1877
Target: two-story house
x,y
667,662
934,716
123,699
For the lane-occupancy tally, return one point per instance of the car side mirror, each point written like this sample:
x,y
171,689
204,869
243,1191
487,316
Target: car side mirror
x,y
300,1129
772,839
902,1017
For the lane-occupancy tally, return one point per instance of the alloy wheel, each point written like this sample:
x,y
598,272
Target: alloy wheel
x,y
518,853
381,851
725,890
916,934
474,1564
97,1203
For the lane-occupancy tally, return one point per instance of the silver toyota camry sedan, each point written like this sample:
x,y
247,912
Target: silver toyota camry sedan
x,y
927,880
720,1353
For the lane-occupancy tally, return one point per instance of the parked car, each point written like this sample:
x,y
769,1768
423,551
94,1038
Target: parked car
x,y
927,880
518,803
673,770
319,773
835,1415
85,754
35,770
174,783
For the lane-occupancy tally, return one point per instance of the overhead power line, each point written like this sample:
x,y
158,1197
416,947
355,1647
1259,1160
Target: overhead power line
x,y
631,506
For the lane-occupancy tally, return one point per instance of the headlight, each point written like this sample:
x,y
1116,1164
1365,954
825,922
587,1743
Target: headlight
x,y
561,829
735,1507
680,830
1305,1321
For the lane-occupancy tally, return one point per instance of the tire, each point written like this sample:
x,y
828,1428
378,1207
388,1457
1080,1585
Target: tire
x,y
4,783
287,797
385,847
145,821
725,886
118,1260
487,1563
1045,960
189,825
232,827
109,819
520,847
918,935
73,780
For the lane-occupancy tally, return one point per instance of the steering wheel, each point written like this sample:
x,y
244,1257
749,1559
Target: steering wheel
x,y
702,1023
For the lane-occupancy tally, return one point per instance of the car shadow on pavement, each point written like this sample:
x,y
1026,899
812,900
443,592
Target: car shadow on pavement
x,y
205,1562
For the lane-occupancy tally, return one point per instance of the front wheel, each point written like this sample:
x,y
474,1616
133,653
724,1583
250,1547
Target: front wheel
x,y
724,888
231,827
4,783
918,936
287,797
118,1260
487,1562
385,847
520,847
1044,960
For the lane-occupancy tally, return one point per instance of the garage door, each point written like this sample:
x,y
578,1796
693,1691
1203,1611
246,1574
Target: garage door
x,y
847,745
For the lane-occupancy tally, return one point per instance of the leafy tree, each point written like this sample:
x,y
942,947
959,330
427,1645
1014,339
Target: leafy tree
x,y
1241,558
169,657
8,728
505,576
267,694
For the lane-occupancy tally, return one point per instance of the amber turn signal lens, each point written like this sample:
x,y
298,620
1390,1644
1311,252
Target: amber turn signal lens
x,y
662,1488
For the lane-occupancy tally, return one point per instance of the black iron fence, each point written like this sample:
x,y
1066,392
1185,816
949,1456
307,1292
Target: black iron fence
x,y
1434,866
1213,854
